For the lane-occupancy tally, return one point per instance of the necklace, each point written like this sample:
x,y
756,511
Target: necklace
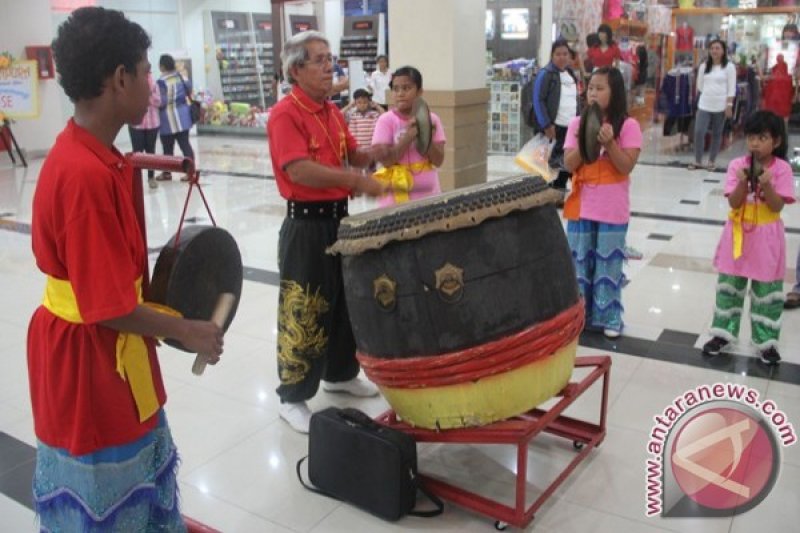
x,y
341,151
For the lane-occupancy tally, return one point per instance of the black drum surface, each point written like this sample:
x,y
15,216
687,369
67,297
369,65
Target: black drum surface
x,y
190,277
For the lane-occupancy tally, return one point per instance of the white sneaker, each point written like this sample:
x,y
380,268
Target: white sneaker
x,y
297,415
355,386
611,333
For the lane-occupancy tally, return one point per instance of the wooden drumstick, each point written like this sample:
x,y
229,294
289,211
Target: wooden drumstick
x,y
219,316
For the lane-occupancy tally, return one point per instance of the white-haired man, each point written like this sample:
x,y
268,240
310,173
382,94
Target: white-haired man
x,y
313,155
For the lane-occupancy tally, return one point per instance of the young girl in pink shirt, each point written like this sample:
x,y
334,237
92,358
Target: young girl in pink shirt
x,y
411,175
753,243
598,208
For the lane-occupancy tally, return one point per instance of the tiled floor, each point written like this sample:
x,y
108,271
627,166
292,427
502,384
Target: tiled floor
x,y
238,470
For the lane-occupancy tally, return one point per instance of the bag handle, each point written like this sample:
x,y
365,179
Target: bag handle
x,y
306,485
423,514
358,418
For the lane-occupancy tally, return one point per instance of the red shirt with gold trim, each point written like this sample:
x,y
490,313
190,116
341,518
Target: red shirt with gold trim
x,y
300,128
85,230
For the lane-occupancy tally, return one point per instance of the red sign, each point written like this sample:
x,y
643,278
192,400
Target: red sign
x,y
265,25
362,25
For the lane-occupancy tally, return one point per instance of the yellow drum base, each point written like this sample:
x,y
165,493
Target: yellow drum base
x,y
487,400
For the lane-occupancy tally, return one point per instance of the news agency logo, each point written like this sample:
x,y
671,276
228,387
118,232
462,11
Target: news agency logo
x,y
715,452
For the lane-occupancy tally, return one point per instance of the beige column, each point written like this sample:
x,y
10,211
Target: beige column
x,y
445,40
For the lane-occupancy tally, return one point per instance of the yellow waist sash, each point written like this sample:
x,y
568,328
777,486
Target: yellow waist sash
x,y
401,177
133,363
754,214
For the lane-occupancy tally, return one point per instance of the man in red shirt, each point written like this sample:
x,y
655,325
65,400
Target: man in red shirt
x,y
313,155
105,456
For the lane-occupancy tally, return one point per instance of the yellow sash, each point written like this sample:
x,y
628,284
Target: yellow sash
x,y
133,364
754,214
400,177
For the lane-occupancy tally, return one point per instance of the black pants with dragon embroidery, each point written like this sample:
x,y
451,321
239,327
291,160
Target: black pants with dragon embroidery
x,y
315,339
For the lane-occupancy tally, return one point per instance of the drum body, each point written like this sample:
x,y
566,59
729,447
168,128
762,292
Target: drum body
x,y
191,276
458,278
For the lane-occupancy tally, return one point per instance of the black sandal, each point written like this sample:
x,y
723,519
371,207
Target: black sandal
x,y
792,301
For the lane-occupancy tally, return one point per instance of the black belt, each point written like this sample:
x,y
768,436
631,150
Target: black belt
x,y
335,209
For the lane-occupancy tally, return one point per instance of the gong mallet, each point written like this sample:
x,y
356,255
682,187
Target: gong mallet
x,y
219,316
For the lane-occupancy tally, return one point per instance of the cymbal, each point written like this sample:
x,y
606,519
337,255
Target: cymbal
x,y
591,121
424,125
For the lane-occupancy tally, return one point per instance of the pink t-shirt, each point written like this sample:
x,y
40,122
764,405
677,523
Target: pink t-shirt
x,y
607,203
389,129
764,248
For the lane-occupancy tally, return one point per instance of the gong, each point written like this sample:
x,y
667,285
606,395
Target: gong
x,y
191,276
422,113
591,121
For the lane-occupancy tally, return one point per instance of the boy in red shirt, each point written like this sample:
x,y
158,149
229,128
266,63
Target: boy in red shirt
x,y
105,457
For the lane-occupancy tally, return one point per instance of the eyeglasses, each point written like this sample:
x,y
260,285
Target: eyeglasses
x,y
321,61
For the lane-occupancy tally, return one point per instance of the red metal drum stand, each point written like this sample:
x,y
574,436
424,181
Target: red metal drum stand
x,y
520,431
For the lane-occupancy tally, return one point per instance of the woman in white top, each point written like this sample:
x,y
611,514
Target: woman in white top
x,y
716,83
378,82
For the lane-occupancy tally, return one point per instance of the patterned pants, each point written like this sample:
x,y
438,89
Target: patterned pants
x,y
315,339
598,253
766,307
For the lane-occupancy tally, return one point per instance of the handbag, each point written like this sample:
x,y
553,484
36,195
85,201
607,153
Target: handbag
x,y
195,107
353,459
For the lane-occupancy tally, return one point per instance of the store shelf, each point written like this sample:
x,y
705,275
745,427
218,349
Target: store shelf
x,y
627,27
363,47
735,10
244,55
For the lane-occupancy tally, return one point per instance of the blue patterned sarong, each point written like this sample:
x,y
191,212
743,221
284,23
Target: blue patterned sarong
x,y
121,488
598,251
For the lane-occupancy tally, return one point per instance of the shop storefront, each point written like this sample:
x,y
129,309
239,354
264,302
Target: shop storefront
x,y
513,33
674,37
242,55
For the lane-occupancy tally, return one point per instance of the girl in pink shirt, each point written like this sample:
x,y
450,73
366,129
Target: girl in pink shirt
x,y
753,244
598,208
411,175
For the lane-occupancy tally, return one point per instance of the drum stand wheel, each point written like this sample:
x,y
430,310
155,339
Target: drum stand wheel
x,y
519,432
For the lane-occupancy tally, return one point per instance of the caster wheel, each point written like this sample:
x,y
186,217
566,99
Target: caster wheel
x,y
500,526
578,445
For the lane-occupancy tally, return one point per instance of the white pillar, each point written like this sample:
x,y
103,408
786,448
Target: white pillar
x,y
546,35
445,40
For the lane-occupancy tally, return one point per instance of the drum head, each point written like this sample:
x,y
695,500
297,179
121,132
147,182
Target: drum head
x,y
450,211
190,277
591,121
424,125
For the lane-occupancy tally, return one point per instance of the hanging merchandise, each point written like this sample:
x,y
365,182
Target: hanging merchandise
x,y
778,89
684,37
675,100
612,9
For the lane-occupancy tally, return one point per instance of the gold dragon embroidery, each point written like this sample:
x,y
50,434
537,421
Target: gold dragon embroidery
x,y
299,335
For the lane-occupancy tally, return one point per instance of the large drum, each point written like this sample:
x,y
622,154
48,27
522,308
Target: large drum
x,y
464,306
